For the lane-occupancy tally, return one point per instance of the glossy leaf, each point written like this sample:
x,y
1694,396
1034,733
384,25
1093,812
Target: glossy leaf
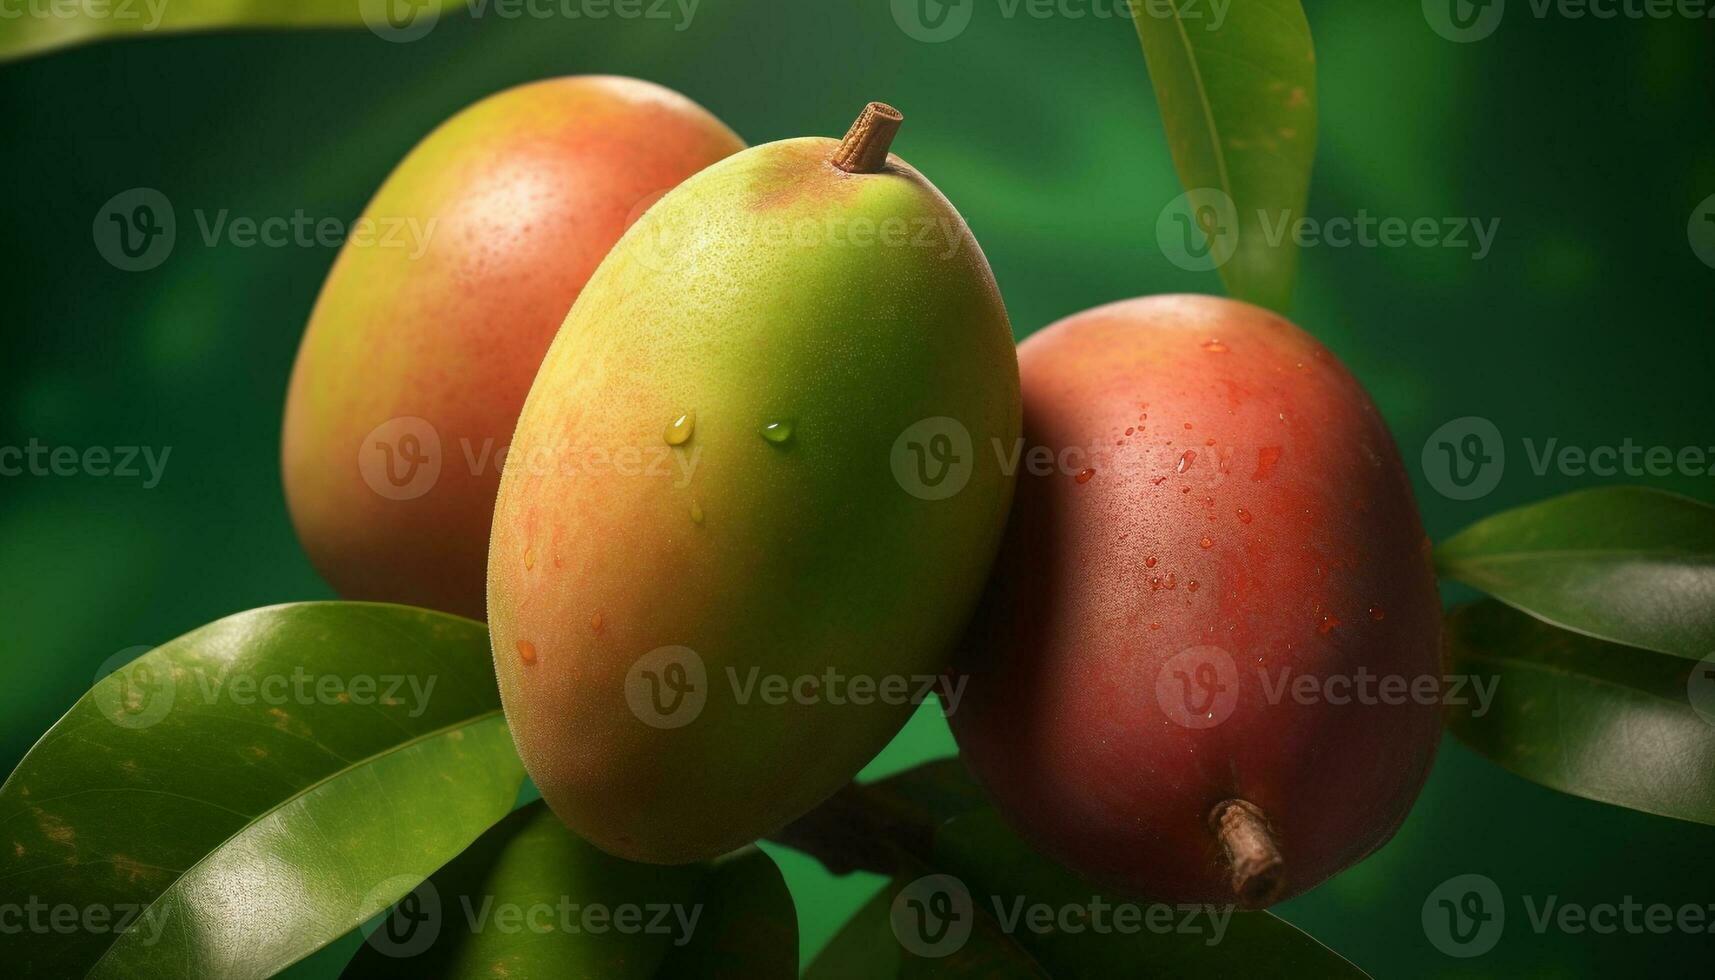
x,y
240,796
1027,913
41,26
531,899
1237,92
1626,564
1586,717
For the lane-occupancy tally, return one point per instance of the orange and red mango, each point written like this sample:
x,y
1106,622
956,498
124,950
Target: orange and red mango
x,y
1215,546
720,577
438,310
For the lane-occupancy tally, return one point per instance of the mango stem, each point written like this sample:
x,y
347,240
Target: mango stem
x,y
1259,872
864,150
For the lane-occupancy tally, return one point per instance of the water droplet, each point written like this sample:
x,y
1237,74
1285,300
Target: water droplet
x,y
1209,441
1084,475
1377,614
1154,626
1214,346
529,557
526,652
1155,584
1130,429
1207,542
1149,562
696,512
1172,581
1187,425
596,622
779,433
1185,460
1244,516
1191,585
1328,624
679,430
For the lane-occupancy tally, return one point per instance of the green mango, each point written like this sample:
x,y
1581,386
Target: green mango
x,y
752,497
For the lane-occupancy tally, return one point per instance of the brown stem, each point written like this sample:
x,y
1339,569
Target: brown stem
x,y
1259,872
864,150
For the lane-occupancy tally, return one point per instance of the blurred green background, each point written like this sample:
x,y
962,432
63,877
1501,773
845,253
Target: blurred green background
x,y
1590,321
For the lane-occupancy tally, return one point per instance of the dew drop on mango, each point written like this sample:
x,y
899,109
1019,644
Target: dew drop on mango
x,y
678,431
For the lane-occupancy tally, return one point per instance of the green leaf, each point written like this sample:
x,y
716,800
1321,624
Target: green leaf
x,y
868,947
43,24
1238,99
531,899
1586,717
1031,917
1626,564
240,796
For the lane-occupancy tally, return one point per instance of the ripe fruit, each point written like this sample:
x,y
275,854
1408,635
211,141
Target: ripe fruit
x,y
439,309
711,543
1225,549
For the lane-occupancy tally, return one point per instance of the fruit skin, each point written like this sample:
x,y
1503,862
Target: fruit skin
x,y
752,294
1062,720
518,198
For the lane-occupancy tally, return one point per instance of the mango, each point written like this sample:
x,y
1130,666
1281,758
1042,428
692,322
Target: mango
x,y
1207,667
751,498
437,312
